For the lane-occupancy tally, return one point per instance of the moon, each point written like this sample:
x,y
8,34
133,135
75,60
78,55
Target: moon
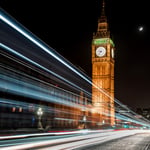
x,y
140,28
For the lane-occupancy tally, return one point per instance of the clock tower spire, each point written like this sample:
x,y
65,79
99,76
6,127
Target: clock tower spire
x,y
102,28
103,71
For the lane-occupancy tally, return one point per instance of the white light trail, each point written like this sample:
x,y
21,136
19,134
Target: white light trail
x,y
73,142
32,91
38,65
38,43
48,50
51,52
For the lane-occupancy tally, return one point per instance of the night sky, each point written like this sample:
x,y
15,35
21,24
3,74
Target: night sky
x,y
68,26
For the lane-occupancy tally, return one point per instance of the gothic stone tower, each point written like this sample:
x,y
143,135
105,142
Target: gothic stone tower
x,y
103,72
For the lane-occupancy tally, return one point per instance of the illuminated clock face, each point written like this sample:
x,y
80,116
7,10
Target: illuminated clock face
x,y
112,53
100,51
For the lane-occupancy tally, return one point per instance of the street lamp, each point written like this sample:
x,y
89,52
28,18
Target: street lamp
x,y
84,121
40,113
103,122
84,116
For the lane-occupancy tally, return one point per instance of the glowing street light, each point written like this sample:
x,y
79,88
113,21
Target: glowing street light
x,y
84,121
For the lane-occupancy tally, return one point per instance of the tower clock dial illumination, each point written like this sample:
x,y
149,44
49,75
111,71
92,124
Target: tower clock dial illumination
x,y
100,51
112,53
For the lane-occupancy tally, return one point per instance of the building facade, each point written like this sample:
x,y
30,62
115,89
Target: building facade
x,y
103,71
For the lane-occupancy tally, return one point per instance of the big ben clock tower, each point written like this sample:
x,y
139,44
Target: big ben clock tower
x,y
103,72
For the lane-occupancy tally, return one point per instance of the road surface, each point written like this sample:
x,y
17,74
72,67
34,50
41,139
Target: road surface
x,y
140,141
89,140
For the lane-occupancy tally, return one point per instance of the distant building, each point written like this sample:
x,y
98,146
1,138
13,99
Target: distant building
x,y
145,112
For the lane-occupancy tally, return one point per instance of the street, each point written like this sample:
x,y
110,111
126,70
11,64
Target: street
x,y
80,140
139,141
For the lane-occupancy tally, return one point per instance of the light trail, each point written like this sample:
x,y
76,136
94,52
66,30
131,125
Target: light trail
x,y
38,43
73,142
36,95
38,65
36,81
32,91
51,52
84,131
48,50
